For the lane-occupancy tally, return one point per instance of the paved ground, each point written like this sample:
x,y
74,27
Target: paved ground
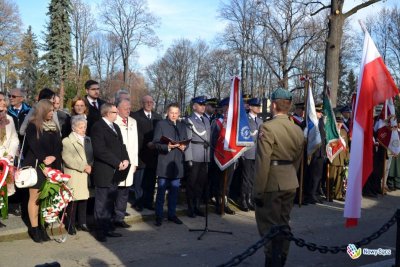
x,y
173,245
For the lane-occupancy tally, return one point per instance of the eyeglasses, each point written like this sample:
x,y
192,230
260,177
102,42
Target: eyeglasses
x,y
14,96
115,112
94,89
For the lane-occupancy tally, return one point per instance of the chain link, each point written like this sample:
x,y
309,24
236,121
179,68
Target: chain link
x,y
284,230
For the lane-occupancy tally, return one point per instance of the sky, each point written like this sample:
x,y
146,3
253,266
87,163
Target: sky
x,y
189,19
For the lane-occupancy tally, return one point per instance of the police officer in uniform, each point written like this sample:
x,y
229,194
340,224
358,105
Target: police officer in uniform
x,y
248,158
211,105
279,152
197,155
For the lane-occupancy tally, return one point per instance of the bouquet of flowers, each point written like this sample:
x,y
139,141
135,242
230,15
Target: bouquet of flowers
x,y
6,177
54,195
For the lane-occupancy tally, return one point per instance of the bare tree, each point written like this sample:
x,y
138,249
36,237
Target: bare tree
x,y
82,26
132,25
334,40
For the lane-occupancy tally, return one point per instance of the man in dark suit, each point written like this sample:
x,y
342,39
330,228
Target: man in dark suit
x,y
170,162
93,102
145,174
110,159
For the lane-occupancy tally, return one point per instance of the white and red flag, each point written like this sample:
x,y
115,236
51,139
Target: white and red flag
x,y
234,135
375,85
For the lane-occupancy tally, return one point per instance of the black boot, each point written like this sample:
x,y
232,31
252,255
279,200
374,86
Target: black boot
x,y
43,234
250,204
34,233
218,205
190,211
243,203
227,209
197,210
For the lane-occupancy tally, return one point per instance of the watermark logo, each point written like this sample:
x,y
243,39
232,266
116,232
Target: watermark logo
x,y
355,252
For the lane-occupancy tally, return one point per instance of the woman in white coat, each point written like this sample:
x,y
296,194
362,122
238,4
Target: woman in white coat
x,y
129,134
77,156
8,136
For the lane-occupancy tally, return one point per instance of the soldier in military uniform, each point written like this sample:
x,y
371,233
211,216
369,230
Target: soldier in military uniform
x,y
197,155
279,152
298,115
211,105
249,156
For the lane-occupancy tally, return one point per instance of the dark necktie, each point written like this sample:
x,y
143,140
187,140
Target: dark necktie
x,y
95,104
149,116
112,127
202,119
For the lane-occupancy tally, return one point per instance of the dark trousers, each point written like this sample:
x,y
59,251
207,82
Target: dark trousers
x,y
217,180
76,209
148,186
314,177
197,180
173,190
248,167
121,203
104,206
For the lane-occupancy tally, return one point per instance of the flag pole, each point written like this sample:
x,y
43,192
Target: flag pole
x,y
225,175
384,172
328,184
302,167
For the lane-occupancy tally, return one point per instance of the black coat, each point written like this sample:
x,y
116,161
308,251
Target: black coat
x,y
94,114
48,144
19,118
170,163
145,127
108,151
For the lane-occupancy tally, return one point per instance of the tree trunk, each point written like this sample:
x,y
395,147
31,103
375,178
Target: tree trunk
x,y
332,50
61,94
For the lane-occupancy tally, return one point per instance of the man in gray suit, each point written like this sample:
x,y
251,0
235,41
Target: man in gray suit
x,y
248,158
197,155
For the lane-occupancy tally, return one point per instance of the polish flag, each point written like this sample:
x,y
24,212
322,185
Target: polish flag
x,y
374,87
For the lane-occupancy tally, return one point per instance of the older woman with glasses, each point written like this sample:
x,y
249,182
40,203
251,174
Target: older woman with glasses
x,y
77,155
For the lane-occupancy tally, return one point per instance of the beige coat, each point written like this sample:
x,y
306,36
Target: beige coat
x,y
74,158
279,139
130,137
11,142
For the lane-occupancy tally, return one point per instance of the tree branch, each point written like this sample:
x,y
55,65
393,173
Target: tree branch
x,y
360,6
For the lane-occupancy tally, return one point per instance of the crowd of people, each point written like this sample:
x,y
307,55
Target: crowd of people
x,y
115,156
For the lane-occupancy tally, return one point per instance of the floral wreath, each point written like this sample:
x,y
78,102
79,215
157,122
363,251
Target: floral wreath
x,y
54,195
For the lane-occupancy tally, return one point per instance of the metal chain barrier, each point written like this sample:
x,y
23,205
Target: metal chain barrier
x,y
285,231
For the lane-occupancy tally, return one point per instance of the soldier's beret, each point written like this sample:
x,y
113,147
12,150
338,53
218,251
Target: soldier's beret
x,y
254,102
224,102
199,100
281,93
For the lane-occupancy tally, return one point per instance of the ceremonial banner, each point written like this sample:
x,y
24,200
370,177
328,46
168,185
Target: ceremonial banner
x,y
311,132
375,85
234,135
334,142
386,128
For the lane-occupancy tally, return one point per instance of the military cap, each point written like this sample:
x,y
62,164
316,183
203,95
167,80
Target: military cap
x,y
338,117
254,102
318,107
246,97
299,105
345,109
212,101
224,102
199,100
281,93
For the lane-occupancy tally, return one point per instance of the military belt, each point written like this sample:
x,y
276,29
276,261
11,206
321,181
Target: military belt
x,y
281,162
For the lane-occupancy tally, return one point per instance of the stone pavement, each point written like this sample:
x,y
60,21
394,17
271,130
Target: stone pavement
x,y
172,245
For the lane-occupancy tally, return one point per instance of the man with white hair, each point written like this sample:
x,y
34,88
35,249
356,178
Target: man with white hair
x,y
128,128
